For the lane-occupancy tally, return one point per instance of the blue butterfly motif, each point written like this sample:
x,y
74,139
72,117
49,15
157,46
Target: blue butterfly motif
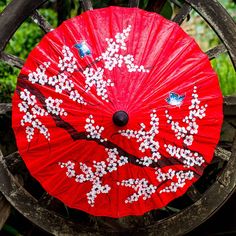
x,y
83,49
175,99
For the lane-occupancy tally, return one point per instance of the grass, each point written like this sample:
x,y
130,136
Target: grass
x,y
226,74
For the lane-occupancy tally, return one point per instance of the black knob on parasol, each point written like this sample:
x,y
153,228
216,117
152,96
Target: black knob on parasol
x,y
120,118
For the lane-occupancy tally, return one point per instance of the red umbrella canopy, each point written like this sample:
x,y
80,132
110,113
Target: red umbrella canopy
x,y
117,112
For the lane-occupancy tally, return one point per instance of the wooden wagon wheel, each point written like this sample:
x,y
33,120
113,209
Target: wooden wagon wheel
x,y
200,205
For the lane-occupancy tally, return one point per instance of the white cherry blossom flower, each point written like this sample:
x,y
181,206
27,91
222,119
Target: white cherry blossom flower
x,y
95,173
146,139
187,131
142,189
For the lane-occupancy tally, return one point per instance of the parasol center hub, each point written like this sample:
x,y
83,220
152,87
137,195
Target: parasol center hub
x,y
120,118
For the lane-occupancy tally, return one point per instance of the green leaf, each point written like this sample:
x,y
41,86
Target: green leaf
x,y
167,11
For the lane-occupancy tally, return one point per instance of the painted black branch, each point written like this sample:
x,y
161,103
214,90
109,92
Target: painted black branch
x,y
59,122
76,135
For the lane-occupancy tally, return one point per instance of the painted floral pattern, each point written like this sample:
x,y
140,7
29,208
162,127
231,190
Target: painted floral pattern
x,y
68,92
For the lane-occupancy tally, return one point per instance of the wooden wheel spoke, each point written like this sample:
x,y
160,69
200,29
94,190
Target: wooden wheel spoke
x,y
133,3
182,14
41,22
177,3
216,51
230,106
5,210
225,29
222,153
227,179
14,162
11,60
4,108
87,5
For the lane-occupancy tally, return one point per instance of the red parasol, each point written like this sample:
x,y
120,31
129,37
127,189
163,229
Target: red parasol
x,y
117,112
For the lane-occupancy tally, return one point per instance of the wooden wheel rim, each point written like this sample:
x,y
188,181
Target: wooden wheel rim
x,y
188,218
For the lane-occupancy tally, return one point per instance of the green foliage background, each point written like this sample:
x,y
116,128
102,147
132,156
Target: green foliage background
x,y
222,64
29,34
